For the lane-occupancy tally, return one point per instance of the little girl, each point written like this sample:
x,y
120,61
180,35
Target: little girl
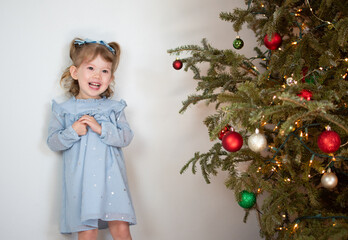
x,y
91,129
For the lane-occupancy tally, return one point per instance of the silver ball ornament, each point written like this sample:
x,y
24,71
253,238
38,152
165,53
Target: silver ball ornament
x,y
329,180
290,81
257,141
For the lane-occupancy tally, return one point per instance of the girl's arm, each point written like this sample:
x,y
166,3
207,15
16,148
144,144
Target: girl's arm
x,y
60,138
117,132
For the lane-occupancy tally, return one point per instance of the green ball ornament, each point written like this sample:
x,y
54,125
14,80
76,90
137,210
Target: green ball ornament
x,y
238,43
248,199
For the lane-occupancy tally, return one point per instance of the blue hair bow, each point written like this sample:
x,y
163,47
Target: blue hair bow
x,y
82,42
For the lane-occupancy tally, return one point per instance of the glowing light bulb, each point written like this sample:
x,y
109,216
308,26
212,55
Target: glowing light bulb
x,y
295,226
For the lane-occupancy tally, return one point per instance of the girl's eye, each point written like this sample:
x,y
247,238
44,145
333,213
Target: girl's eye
x,y
90,68
105,71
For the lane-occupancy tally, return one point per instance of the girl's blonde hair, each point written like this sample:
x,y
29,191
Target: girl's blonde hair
x,y
88,52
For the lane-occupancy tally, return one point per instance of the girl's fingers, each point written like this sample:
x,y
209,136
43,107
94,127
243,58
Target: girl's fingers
x,y
85,121
88,121
84,117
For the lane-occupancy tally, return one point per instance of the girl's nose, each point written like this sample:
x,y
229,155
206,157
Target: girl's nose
x,y
97,74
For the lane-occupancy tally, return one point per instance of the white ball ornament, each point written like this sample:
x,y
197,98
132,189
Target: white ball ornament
x,y
257,141
329,180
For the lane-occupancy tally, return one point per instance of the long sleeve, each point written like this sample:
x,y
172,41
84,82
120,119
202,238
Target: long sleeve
x,y
117,132
60,137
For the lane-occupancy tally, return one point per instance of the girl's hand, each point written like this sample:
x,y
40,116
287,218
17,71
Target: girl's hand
x,y
80,128
92,123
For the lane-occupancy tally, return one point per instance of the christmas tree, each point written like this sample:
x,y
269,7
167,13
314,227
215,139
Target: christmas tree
x,y
287,119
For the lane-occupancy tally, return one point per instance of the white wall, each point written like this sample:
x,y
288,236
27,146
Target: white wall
x,y
34,51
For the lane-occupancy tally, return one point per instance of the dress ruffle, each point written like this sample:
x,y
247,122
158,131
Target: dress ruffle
x,y
113,108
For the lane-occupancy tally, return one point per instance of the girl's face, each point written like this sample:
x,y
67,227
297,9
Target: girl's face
x,y
93,77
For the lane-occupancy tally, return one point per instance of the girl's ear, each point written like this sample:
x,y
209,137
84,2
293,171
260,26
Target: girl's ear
x,y
73,72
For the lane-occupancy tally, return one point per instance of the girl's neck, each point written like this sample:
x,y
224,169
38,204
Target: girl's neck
x,y
81,97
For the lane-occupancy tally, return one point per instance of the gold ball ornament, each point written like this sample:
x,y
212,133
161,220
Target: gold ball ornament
x,y
329,180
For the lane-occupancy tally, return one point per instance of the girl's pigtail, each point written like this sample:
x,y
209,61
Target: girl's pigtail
x,y
73,49
68,83
117,48
65,78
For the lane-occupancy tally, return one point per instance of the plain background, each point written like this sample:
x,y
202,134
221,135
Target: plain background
x,y
35,37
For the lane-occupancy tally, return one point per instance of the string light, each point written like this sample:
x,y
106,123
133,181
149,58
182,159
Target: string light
x,y
297,123
344,76
295,227
311,161
330,25
303,26
293,133
333,218
306,133
287,180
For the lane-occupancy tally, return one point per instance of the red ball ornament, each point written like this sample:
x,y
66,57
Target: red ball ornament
x,y
329,141
232,141
224,131
305,94
274,43
177,64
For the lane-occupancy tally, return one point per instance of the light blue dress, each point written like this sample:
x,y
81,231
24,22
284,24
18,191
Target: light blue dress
x,y
95,188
